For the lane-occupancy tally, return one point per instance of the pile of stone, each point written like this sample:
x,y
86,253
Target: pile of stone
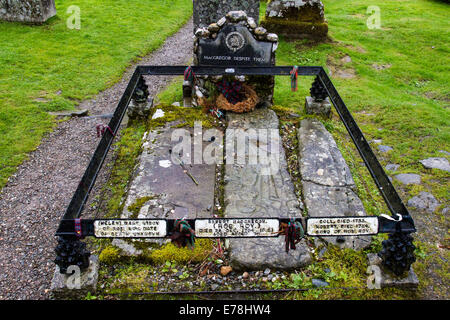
x,y
237,17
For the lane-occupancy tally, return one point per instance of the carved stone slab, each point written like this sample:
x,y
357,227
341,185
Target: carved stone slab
x,y
327,181
249,193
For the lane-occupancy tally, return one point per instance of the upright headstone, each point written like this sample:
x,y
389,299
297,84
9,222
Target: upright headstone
x,y
34,11
234,40
209,11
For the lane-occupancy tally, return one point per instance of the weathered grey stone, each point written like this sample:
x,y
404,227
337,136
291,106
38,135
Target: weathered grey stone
x,y
408,178
321,161
251,22
127,248
272,37
436,163
236,16
319,283
326,180
444,152
313,106
424,201
249,193
76,113
392,167
34,11
387,279
260,31
168,191
139,110
296,19
384,148
213,27
325,201
209,11
171,192
64,286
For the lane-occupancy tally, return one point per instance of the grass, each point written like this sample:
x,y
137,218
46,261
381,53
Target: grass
x,y
406,104
50,67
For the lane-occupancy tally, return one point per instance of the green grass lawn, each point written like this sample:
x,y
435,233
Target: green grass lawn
x,y
409,99
50,67
406,104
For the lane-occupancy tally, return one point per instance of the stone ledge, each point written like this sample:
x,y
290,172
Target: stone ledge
x,y
388,280
296,29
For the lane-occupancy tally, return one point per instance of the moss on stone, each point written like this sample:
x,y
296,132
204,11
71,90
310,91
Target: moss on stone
x,y
170,252
295,28
136,206
181,117
110,255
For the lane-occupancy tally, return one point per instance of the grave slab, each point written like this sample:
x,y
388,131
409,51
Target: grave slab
x,y
169,191
251,192
327,181
161,189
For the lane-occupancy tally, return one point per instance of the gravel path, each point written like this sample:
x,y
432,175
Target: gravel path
x,y
35,198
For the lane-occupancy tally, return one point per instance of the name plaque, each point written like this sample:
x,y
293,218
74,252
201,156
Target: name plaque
x,y
132,228
342,226
242,228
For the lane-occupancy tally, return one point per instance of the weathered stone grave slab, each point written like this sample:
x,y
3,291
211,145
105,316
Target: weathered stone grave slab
x,y
161,189
209,11
326,180
251,192
172,192
35,11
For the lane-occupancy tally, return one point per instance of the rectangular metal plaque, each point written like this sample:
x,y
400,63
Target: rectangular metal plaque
x,y
133,228
342,226
233,228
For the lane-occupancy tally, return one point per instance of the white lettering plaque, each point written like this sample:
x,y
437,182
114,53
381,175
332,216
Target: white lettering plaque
x,y
246,227
135,228
342,226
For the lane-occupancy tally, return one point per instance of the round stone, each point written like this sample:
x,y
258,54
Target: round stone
x,y
272,37
260,31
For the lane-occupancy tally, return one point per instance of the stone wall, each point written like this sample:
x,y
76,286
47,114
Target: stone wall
x,y
209,11
34,11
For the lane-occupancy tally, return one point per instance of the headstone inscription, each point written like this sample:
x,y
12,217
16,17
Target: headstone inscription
x,y
34,11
